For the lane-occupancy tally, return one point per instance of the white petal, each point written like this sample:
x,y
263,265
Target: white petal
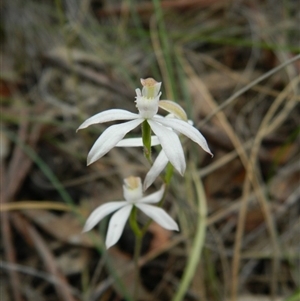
x,y
159,216
153,197
100,212
109,115
109,138
136,142
186,129
158,166
116,225
170,144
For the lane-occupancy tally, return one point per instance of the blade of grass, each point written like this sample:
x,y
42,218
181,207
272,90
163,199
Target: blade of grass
x,y
43,167
248,87
166,51
195,255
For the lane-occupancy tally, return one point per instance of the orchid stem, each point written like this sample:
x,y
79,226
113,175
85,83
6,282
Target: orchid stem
x,y
139,233
133,223
146,132
169,173
137,252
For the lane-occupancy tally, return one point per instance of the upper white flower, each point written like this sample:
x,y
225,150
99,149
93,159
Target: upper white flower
x,y
133,195
147,103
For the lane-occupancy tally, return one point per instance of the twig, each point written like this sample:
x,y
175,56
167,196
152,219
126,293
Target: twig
x,y
11,180
248,87
35,273
252,164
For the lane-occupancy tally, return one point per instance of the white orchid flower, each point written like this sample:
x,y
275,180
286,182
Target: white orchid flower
x,y
133,196
147,103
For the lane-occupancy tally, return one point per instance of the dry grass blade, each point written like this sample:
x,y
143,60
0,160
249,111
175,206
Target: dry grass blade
x,y
63,290
11,182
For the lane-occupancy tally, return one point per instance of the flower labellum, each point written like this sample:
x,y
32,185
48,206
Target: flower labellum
x,y
147,99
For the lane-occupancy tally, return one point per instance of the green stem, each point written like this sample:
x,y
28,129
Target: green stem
x,y
169,173
133,223
146,132
166,47
198,243
137,252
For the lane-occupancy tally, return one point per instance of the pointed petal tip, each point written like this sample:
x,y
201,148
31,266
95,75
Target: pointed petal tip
x,y
90,160
85,229
181,168
209,152
173,226
82,126
145,187
182,171
108,245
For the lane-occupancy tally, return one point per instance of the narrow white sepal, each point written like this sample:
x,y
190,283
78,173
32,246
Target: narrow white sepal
x,y
100,212
116,225
109,115
136,142
109,138
153,197
158,166
159,216
186,129
170,144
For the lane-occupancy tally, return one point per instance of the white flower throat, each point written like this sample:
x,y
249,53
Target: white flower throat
x,y
147,100
132,189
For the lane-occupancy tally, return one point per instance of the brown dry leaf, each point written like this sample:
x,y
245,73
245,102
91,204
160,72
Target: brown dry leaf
x,y
120,261
226,179
66,227
257,298
254,218
160,236
64,53
281,154
4,145
217,82
74,260
202,100
285,182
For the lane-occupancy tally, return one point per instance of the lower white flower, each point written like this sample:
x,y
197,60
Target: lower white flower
x,y
133,195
